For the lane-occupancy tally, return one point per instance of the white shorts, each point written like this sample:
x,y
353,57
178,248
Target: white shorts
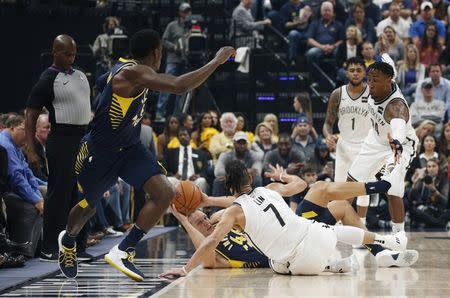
x,y
346,152
312,255
374,156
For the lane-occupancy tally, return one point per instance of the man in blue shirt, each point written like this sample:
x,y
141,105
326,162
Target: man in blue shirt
x,y
324,35
24,202
417,29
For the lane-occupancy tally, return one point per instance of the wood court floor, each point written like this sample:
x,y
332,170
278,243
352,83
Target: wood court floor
x,y
429,277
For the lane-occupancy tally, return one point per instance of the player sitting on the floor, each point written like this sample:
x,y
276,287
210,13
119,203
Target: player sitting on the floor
x,y
294,244
328,204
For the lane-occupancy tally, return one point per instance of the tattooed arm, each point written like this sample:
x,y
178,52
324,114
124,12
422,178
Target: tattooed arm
x,y
397,108
331,117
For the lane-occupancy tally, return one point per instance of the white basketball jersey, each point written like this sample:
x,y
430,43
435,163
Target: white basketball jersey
x,y
380,128
353,116
270,224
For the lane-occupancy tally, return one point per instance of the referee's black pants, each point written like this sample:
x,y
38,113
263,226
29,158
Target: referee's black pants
x,y
61,151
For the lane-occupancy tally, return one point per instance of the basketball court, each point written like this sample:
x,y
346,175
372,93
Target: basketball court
x,y
428,277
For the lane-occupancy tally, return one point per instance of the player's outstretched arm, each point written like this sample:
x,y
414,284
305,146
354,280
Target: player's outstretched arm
x,y
206,252
294,184
223,201
142,76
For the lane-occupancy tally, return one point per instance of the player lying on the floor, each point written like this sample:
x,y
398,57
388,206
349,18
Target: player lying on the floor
x,y
293,244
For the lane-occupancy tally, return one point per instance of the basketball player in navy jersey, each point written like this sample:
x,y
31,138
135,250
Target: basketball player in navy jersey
x,y
112,149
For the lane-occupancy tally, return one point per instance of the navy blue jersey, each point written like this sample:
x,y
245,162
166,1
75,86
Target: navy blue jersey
x,y
240,253
117,119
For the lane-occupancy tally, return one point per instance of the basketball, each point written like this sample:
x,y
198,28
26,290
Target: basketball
x,y
188,197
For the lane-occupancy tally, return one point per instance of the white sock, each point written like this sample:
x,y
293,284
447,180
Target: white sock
x,y
363,220
349,235
398,227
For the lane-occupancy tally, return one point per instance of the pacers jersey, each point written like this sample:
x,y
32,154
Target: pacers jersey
x,y
116,123
353,116
240,253
270,224
380,127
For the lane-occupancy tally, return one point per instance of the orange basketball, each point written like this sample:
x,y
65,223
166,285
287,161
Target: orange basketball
x,y
188,197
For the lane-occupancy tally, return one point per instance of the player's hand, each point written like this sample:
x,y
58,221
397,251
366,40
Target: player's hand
x,y
224,54
396,147
173,273
276,172
40,206
331,141
181,217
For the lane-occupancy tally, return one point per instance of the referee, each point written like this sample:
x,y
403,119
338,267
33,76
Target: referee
x,y
65,92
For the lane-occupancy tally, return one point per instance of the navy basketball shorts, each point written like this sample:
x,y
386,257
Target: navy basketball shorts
x,y
309,210
98,168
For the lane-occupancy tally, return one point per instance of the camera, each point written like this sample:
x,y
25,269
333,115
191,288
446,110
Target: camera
x,y
427,179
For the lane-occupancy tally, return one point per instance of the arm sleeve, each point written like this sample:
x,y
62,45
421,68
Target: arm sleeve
x,y
42,93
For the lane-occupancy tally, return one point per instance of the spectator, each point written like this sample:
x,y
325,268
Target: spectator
x,y
168,136
429,47
24,198
203,135
365,25
324,35
264,142
441,10
42,131
321,156
244,29
301,138
284,155
251,159
309,175
215,116
186,121
272,119
339,10
405,8
444,145
441,85
372,11
242,126
410,71
65,93
429,196
103,45
400,25
417,29
395,47
302,105
428,109
186,163
368,53
296,17
147,136
427,127
351,47
223,141
174,41
428,150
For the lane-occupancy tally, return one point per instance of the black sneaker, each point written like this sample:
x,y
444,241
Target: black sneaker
x,y
83,256
48,256
123,261
67,258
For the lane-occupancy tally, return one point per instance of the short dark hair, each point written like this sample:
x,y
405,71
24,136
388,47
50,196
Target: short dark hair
x,y
236,176
308,169
14,121
434,64
144,42
356,61
382,67
183,129
284,135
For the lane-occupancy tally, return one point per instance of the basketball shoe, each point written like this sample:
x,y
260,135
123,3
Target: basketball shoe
x,y
391,258
67,258
123,261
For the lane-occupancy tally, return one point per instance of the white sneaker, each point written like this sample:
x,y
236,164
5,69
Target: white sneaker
x,y
123,261
395,242
110,232
391,258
